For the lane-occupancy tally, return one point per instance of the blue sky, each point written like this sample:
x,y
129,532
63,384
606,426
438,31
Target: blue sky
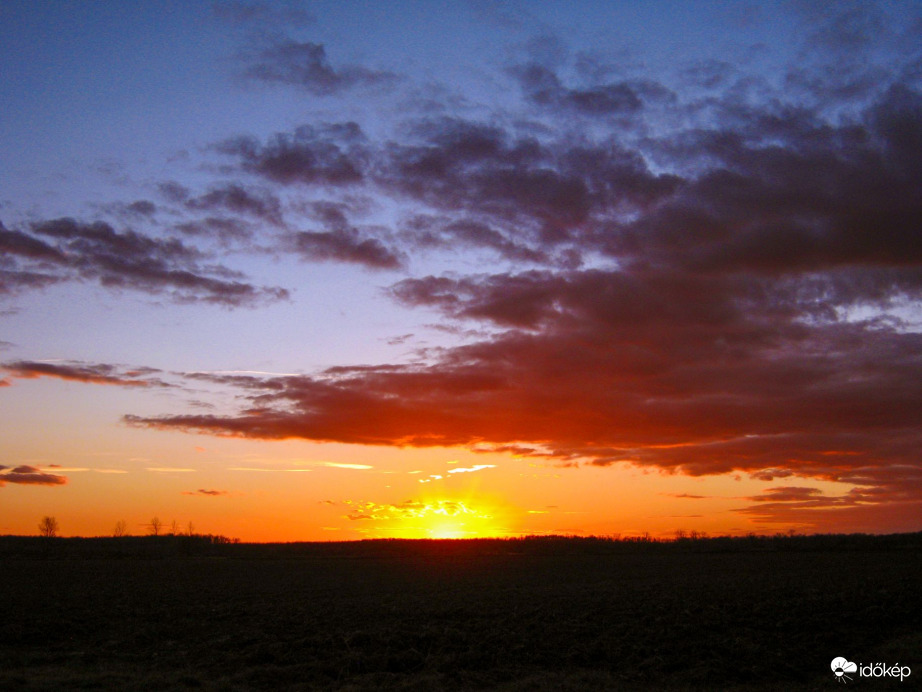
x,y
657,259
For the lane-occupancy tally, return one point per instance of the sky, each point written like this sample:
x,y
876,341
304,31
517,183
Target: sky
x,y
344,270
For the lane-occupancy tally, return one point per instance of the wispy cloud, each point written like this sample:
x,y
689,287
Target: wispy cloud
x,y
305,65
472,469
342,465
410,509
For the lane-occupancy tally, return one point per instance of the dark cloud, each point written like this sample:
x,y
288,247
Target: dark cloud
x,y
461,165
305,65
16,243
173,191
544,88
119,260
771,474
441,232
237,199
16,281
26,262
883,496
340,241
29,475
93,373
330,155
789,494
343,245
206,493
485,186
142,207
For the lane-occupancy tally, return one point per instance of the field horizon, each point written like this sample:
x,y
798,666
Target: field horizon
x,y
542,613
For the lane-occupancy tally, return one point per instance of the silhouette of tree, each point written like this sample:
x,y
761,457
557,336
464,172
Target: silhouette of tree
x,y
121,529
48,527
155,526
174,528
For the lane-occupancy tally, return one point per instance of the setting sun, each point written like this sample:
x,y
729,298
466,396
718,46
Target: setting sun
x,y
428,518
458,520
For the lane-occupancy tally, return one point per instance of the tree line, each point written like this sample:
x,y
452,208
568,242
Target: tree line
x,y
49,527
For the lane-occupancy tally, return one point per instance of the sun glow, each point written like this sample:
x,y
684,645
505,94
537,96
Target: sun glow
x,y
429,518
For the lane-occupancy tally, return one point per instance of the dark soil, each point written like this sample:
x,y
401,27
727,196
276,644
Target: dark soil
x,y
470,615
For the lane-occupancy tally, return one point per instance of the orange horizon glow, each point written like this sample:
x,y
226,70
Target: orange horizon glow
x,y
294,491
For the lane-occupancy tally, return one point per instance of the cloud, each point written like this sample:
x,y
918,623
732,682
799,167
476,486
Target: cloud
x,y
29,475
790,494
543,87
24,245
206,493
327,155
340,465
173,191
91,373
407,510
443,232
142,207
345,246
305,65
119,260
237,199
227,230
472,469
771,474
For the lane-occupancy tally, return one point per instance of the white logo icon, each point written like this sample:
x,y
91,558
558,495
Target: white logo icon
x,y
841,666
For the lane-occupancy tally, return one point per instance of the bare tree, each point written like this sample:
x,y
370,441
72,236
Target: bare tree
x,y
155,526
121,529
174,528
48,527
190,529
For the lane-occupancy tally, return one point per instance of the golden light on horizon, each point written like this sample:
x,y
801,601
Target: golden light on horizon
x,y
430,517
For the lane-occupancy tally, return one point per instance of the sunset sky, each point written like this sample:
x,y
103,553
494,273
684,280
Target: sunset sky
x,y
341,270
